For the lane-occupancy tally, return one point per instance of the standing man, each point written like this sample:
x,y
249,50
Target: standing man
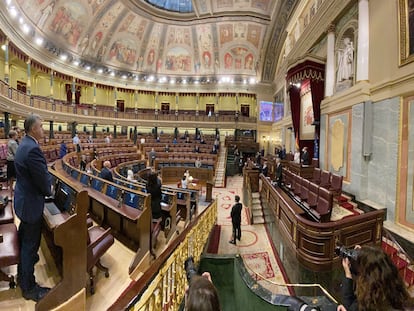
x,y
305,156
32,185
236,219
279,172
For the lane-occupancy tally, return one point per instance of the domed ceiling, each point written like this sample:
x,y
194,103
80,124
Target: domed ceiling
x,y
164,37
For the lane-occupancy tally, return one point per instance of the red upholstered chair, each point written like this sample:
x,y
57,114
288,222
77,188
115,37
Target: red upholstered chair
x,y
336,185
6,213
9,251
312,195
325,179
304,193
324,206
298,185
99,241
316,178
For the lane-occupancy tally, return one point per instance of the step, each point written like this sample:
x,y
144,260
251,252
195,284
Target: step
x,y
258,220
256,201
255,195
257,213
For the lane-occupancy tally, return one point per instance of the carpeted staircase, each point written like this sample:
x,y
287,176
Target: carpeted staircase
x,y
220,178
401,261
257,210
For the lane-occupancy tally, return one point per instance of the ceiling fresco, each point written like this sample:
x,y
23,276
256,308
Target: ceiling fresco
x,y
221,37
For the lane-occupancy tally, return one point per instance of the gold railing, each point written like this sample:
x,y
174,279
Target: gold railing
x,y
167,289
91,112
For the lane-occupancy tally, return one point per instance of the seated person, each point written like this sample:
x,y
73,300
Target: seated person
x,y
202,141
187,139
184,182
166,148
197,163
106,172
214,151
196,149
130,175
158,139
175,140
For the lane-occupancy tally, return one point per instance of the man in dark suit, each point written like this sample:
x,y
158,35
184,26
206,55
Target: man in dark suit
x,y
278,174
106,172
236,220
305,156
33,183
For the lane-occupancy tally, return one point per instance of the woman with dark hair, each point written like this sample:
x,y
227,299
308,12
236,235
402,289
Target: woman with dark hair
x,y
154,188
202,295
378,285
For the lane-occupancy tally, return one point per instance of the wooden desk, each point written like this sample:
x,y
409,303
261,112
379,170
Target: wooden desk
x,y
305,171
68,232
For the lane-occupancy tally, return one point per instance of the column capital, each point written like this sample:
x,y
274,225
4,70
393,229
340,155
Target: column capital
x,y
331,28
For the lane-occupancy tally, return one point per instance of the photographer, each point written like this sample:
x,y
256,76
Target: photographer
x,y
372,281
202,295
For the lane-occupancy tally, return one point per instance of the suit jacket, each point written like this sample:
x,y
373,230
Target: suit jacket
x,y
236,213
279,175
32,181
305,158
106,174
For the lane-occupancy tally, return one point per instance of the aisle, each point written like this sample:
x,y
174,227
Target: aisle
x,y
255,246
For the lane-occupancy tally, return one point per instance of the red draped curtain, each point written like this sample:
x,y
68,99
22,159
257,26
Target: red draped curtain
x,y
310,72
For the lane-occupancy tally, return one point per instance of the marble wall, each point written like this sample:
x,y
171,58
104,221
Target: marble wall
x,y
372,179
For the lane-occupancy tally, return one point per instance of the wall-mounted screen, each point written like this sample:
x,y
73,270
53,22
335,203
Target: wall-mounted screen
x,y
279,109
265,113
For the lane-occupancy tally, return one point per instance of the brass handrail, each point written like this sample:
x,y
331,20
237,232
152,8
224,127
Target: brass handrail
x,y
167,289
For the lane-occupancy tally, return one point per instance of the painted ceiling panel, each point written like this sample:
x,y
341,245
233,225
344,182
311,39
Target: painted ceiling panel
x,y
134,36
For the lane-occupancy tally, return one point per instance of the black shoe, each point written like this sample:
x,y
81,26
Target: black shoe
x,y
239,238
232,242
36,293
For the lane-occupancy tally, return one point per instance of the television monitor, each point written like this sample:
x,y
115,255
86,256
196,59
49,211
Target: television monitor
x,y
84,179
74,174
131,199
97,184
278,111
265,113
112,191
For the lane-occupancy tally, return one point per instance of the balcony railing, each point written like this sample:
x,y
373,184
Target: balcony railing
x,y
98,111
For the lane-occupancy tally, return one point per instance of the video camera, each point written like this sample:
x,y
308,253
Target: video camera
x,y
351,254
190,269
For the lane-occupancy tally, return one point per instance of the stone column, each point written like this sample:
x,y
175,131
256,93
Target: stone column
x,y
51,133
114,131
73,90
6,62
115,99
94,130
330,62
29,78
6,124
136,101
363,41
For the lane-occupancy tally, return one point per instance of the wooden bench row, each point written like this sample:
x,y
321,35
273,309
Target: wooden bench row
x,y
187,200
316,201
